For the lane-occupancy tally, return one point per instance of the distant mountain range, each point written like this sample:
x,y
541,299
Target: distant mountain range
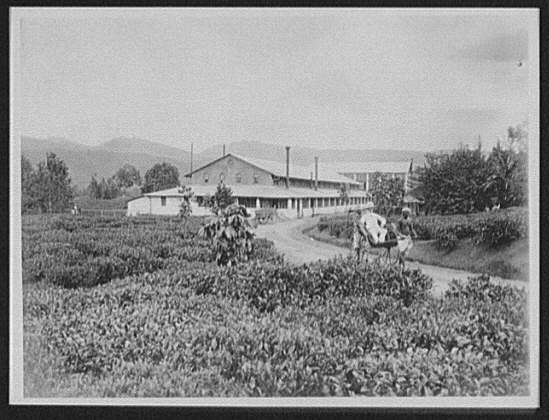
x,y
104,160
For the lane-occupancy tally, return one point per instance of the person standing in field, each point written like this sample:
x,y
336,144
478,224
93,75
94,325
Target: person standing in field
x,y
405,229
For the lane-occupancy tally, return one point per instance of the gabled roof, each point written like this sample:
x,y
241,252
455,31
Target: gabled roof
x,y
278,169
370,167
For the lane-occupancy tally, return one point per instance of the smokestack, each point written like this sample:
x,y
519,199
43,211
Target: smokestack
x,y
316,173
287,166
312,183
223,150
191,161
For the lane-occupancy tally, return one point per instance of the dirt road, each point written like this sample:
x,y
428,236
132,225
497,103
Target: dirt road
x,y
299,248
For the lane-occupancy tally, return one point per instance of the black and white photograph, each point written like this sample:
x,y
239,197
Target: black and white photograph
x,y
324,207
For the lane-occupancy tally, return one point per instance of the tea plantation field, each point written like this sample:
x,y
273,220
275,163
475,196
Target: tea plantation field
x,y
136,307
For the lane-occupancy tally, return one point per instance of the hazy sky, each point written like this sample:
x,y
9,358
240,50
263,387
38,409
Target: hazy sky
x,y
331,78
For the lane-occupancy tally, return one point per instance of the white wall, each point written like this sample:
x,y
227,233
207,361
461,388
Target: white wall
x,y
138,206
153,205
172,207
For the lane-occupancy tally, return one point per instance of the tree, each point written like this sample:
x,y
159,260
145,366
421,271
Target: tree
x,y
94,189
109,188
454,182
386,192
517,138
161,176
127,176
185,208
106,189
508,166
28,193
51,185
222,198
231,235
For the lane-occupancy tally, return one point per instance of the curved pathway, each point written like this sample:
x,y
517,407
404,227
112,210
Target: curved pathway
x,y
299,248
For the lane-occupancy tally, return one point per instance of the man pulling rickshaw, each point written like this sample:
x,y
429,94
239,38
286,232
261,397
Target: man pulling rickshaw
x,y
371,229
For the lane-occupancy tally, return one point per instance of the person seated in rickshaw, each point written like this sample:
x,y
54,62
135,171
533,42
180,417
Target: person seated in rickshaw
x,y
368,224
405,231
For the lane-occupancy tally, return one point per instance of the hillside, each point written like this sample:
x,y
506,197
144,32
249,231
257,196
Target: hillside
x,y
145,147
84,161
104,160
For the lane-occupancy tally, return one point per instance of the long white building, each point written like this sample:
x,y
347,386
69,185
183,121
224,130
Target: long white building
x,y
292,190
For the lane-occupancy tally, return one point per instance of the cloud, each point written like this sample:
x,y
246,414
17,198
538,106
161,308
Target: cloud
x,y
501,48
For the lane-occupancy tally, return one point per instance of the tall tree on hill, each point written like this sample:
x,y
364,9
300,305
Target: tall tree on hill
x,y
127,176
52,185
161,176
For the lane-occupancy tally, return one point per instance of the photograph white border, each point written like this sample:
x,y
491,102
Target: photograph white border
x,y
16,394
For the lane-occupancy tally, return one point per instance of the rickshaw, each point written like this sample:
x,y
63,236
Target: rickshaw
x,y
390,242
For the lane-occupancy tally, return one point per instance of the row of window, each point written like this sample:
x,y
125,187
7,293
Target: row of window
x,y
306,202
237,178
283,203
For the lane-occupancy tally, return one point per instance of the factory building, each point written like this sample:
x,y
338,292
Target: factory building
x,y
294,191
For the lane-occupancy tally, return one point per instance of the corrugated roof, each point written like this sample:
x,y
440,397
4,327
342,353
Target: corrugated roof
x,y
369,167
325,173
262,191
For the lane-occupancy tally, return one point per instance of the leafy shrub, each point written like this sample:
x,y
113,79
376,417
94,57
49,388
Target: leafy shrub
x,y
268,286
498,232
446,240
230,234
85,251
150,335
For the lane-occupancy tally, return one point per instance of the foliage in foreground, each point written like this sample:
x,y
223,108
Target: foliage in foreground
x,y
153,335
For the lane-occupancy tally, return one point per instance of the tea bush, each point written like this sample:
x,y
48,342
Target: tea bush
x,y
85,251
177,324
151,335
268,286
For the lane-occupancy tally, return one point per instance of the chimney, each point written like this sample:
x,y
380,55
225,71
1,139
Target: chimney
x,y
312,183
287,166
223,150
191,162
316,173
